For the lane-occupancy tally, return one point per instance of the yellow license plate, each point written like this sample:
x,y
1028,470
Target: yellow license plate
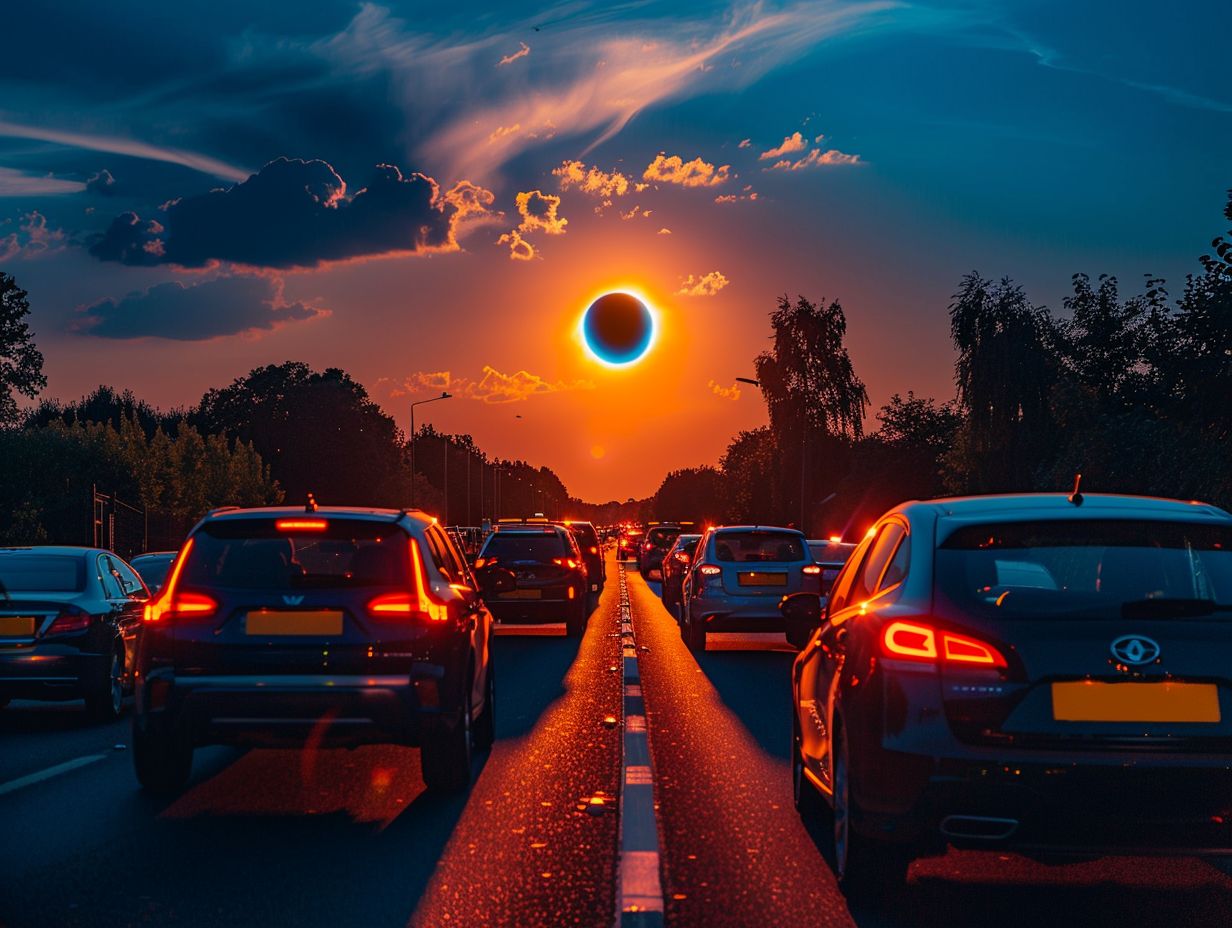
x,y
1088,701
17,626
523,594
303,622
759,579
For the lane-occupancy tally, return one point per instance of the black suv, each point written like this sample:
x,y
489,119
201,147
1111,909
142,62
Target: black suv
x,y
592,553
660,536
551,583
353,625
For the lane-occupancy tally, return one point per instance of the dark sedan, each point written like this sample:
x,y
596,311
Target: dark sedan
x,y
1039,673
153,567
675,566
69,619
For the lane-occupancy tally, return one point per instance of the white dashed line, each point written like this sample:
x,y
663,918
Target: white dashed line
x,y
640,889
13,786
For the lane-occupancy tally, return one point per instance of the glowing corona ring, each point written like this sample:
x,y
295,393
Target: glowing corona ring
x,y
618,329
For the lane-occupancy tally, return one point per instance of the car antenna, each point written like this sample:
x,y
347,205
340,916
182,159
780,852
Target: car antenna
x,y
311,504
1076,496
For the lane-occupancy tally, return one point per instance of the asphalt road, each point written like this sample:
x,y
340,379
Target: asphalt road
x,y
344,838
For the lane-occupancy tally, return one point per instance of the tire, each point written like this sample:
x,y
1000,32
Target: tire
x,y
867,870
162,760
575,623
798,635
485,725
445,755
694,634
105,698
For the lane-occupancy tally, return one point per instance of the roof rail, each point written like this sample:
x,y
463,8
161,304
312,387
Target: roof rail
x,y
218,509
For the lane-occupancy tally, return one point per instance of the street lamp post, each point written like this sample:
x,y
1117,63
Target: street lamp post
x,y
803,453
443,396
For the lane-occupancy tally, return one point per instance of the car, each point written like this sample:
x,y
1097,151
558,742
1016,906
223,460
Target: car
x,y
655,545
69,622
153,567
592,553
627,544
1035,673
830,555
331,625
675,566
550,579
739,575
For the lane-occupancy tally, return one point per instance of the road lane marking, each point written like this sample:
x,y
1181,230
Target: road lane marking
x,y
640,889
13,786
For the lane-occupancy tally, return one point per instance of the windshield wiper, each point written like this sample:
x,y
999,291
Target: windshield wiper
x,y
1171,608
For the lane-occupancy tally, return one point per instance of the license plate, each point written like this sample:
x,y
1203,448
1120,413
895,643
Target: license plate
x,y
17,626
303,622
654,574
522,594
755,578
1088,701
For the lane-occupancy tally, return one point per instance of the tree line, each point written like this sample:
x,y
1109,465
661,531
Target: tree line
x,y
1134,392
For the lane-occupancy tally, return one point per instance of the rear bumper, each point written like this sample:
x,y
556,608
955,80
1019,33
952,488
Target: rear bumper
x,y
325,709
739,613
50,671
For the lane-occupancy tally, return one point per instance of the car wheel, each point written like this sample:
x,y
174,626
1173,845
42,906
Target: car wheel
x,y
575,623
694,633
162,760
445,755
485,725
867,870
798,635
105,699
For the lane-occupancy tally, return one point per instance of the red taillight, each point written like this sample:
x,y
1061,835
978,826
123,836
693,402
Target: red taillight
x,y
594,550
682,557
647,546
394,604
918,642
811,569
301,525
193,605
709,570
159,607
69,620
565,562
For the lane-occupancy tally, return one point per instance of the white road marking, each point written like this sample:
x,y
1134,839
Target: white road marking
x,y
640,889
30,779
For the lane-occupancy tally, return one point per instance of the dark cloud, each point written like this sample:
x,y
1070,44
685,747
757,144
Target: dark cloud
x,y
210,309
101,183
295,213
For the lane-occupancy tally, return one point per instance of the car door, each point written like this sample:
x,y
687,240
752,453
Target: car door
x,y
135,593
462,582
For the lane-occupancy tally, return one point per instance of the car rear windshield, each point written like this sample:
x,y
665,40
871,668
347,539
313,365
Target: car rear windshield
x,y
662,537
153,569
586,535
758,547
1089,568
525,546
254,554
42,573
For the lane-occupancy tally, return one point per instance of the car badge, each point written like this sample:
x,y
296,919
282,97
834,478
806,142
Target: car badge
x,y
292,600
1135,649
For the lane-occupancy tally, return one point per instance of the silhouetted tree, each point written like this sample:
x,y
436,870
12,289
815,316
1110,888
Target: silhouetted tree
x,y
694,494
21,363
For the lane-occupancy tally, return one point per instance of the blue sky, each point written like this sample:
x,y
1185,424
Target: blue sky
x,y
1028,139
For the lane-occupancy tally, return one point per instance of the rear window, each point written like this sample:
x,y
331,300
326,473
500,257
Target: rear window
x,y
586,535
758,547
42,573
1085,569
662,537
153,569
524,546
255,555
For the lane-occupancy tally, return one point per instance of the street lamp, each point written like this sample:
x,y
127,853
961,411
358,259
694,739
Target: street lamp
x,y
443,396
803,455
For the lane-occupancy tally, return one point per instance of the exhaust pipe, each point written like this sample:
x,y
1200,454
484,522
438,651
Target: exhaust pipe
x,y
978,827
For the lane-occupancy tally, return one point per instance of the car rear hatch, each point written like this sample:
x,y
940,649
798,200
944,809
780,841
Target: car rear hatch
x,y
1114,634
540,561
306,596
761,562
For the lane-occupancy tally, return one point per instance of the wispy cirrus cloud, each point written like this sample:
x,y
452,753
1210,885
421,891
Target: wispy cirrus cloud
x,y
522,52
702,284
601,69
491,386
15,183
122,146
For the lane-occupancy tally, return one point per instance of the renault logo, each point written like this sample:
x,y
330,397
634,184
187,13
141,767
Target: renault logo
x,y
1135,649
296,600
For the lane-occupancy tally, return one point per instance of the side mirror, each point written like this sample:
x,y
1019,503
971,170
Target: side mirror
x,y
803,609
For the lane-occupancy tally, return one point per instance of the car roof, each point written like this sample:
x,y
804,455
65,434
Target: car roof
x,y
1060,506
137,557
758,528
78,550
362,513
518,528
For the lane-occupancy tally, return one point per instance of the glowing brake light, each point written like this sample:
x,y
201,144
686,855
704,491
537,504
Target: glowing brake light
x,y
835,539
565,562
70,619
594,550
394,604
167,603
919,642
682,557
811,569
709,570
301,525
